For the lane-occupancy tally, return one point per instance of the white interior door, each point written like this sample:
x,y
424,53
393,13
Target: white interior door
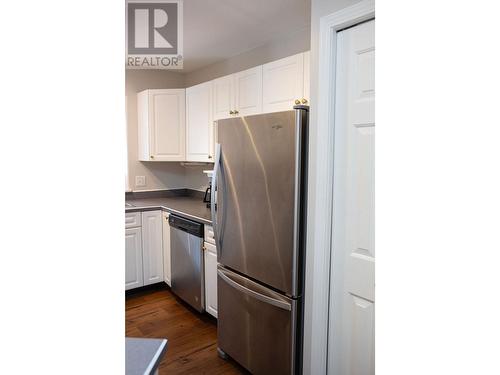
x,y
352,290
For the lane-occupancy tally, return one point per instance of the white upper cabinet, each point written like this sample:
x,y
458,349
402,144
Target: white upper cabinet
x,y
238,94
223,97
161,123
152,249
178,124
283,83
248,92
199,123
307,78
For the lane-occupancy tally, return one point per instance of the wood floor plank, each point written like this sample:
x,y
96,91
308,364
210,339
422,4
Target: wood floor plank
x,y
192,337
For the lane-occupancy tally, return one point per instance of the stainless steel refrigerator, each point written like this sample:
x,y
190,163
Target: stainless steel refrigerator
x,y
258,213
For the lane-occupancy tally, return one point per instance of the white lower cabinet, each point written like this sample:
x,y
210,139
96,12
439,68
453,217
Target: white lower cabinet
x,y
133,258
152,248
167,270
210,255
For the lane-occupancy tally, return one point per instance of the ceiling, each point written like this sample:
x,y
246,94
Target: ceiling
x,y
215,30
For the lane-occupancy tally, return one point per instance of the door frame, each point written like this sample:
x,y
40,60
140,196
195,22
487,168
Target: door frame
x,y
317,288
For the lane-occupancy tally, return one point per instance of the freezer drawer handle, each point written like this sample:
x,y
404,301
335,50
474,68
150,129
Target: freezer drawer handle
x,y
261,297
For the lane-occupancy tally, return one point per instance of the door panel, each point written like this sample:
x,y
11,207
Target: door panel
x,y
248,91
255,332
223,97
283,83
362,336
152,247
168,128
167,269
210,279
199,122
133,258
255,197
352,299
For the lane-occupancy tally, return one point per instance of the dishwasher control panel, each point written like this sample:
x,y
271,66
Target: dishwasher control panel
x,y
186,225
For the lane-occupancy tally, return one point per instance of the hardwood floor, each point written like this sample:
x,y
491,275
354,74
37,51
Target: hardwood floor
x,y
192,337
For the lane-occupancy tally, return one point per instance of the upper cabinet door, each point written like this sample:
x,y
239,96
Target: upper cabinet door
x,y
283,83
223,97
161,122
199,123
248,92
307,78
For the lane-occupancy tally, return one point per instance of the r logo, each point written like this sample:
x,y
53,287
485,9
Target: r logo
x,y
152,28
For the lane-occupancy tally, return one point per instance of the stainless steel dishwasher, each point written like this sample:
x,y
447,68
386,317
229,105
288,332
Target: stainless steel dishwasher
x,y
186,247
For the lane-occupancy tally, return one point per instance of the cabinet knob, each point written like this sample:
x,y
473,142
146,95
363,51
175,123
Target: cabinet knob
x,y
152,157
297,101
210,156
231,112
304,101
236,112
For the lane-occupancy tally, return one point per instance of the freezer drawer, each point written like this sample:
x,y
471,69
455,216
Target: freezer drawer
x,y
256,326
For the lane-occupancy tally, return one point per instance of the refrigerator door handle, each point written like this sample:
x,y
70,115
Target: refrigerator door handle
x,y
272,301
212,198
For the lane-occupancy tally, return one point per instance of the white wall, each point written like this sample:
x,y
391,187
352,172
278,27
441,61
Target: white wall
x,y
314,332
274,50
159,175
195,179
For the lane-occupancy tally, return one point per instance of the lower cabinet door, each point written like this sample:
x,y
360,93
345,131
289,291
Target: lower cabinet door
x,y
167,269
152,248
210,279
133,258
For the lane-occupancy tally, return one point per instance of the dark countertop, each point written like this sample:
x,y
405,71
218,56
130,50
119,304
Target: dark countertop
x,y
142,356
191,207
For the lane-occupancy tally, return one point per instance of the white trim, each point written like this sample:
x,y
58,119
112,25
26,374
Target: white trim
x,y
156,358
318,283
